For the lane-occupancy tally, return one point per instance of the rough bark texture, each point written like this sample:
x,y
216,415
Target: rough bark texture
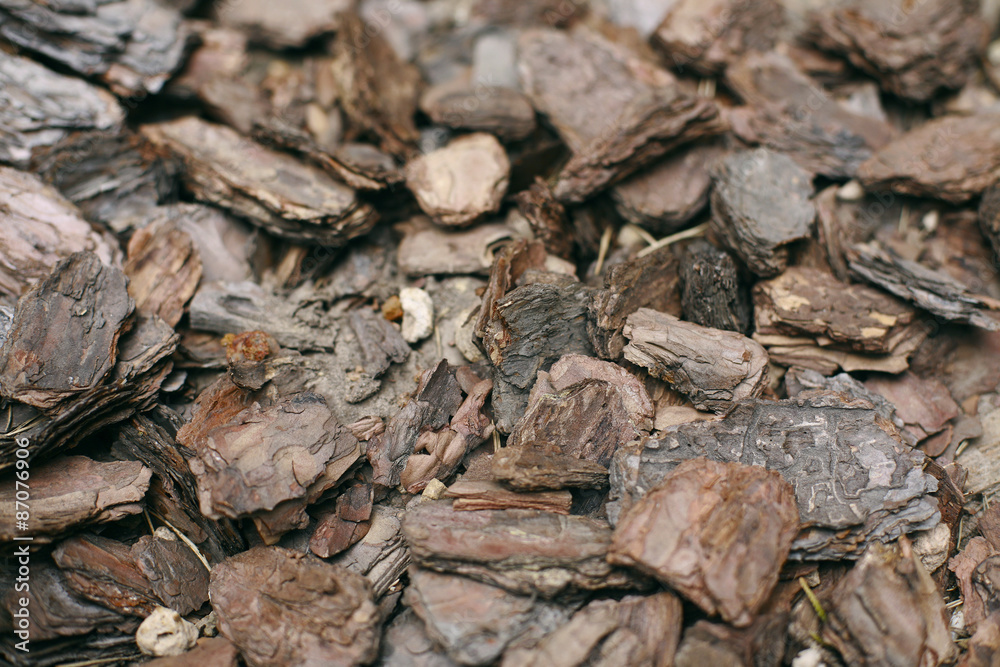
x,y
712,293
281,608
717,533
270,189
523,551
714,368
163,268
913,50
843,459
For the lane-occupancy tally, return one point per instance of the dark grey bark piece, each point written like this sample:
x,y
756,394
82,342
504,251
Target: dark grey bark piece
x,y
235,307
934,291
717,533
406,643
40,108
282,608
535,325
270,189
913,51
526,552
474,622
712,293
652,281
378,90
56,611
109,174
798,380
501,111
175,573
666,195
143,362
888,610
39,227
790,113
613,118
42,363
105,571
134,46
989,217
579,414
632,631
952,158
760,204
462,181
714,368
708,36
855,480
163,268
804,301
380,341
151,437
75,491
285,25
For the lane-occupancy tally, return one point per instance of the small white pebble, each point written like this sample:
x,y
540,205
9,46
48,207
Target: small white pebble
x,y
993,52
811,657
165,633
850,191
165,533
434,490
930,221
418,314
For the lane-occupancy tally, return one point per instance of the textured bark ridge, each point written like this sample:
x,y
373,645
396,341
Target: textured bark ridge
x,y
281,608
842,458
714,368
527,552
269,189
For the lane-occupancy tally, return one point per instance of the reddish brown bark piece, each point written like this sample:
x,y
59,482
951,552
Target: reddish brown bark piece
x,y
498,110
964,565
791,113
718,533
406,644
707,36
652,281
664,196
714,368
579,413
984,645
270,189
209,652
484,495
281,608
474,622
378,91
82,300
348,523
924,405
175,573
613,114
888,611
523,551
462,181
73,491
39,227
953,158
806,301
163,269
760,204
547,218
914,51
265,455
606,633
106,572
